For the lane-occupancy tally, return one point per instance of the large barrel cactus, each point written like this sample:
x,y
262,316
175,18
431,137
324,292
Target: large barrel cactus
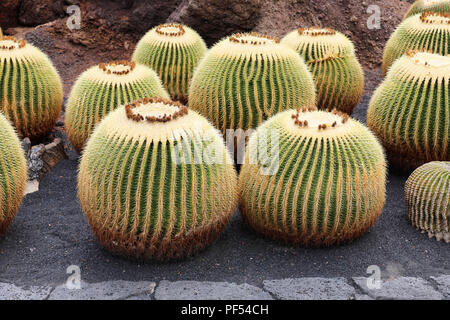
x,y
312,178
173,51
428,31
427,194
156,181
13,174
246,78
31,93
421,6
331,57
103,88
410,111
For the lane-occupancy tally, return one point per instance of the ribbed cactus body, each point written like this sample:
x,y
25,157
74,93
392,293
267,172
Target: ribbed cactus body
x,y
421,6
246,78
103,88
410,111
312,178
427,194
331,57
156,181
173,51
425,32
31,93
13,174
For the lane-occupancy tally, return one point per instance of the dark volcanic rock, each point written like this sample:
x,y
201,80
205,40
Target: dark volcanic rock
x,y
9,10
36,12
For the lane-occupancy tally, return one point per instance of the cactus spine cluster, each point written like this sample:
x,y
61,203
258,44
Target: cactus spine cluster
x,y
410,111
321,183
156,181
331,57
103,88
428,199
421,6
173,51
246,78
428,31
31,93
13,174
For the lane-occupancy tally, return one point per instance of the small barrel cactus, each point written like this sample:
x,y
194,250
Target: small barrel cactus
x,y
421,6
428,31
410,111
331,57
13,174
312,178
173,51
103,88
246,78
31,92
156,181
427,194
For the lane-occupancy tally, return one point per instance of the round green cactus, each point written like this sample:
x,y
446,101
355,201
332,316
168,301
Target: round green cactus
x,y
156,181
410,111
428,199
103,88
312,178
13,174
428,31
331,57
173,51
246,78
421,6
31,93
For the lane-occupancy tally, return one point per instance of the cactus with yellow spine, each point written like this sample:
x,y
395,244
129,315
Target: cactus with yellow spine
x,y
428,199
312,178
103,88
13,174
410,111
421,6
428,31
331,57
173,51
31,93
156,181
246,78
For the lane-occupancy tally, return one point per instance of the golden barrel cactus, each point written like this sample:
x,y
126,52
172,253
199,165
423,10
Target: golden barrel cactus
x,y
331,57
312,178
421,6
156,181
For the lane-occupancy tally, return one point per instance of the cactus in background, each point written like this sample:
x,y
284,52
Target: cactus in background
x,y
173,51
246,78
312,178
410,111
421,6
428,199
31,93
103,88
425,32
13,174
156,181
331,57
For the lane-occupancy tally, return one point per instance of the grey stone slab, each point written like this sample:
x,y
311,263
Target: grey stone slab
x,y
195,290
109,290
310,289
13,292
403,288
443,284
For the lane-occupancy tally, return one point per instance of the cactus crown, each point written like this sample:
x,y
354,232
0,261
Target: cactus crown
x,y
428,5
171,32
11,43
429,20
419,64
308,119
431,17
118,67
155,110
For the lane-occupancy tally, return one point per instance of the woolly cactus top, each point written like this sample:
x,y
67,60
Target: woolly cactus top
x,y
12,47
319,43
171,32
422,64
428,5
427,20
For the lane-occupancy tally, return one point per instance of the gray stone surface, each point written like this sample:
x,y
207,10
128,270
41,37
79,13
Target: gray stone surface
x,y
403,288
110,290
196,290
310,289
13,292
443,285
